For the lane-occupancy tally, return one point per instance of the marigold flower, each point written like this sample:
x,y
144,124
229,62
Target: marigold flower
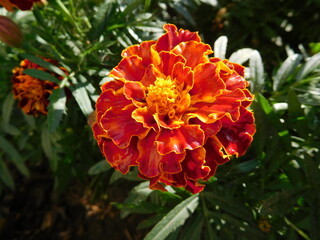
x,y
33,93
173,111
21,4
10,32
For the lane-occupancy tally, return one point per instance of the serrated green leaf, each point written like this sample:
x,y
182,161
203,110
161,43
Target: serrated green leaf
x,y
285,70
44,64
220,47
175,218
256,72
241,56
81,96
311,64
5,175
7,108
57,107
137,195
41,75
99,167
47,145
193,228
15,157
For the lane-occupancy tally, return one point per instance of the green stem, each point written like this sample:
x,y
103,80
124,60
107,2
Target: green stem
x,y
298,230
69,16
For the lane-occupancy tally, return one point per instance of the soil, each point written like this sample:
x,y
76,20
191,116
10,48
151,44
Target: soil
x,y
35,212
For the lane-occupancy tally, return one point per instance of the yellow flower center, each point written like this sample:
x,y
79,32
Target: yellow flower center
x,y
162,96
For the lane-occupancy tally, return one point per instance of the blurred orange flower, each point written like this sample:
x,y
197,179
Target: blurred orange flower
x,y
173,111
21,4
33,93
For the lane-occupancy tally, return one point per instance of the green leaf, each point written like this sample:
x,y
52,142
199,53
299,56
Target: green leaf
x,y
6,114
256,72
15,156
285,70
5,175
220,47
310,65
99,167
7,108
137,195
241,56
81,96
193,228
41,75
175,218
44,64
57,107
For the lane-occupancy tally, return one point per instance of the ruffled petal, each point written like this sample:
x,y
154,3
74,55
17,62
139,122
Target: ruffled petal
x,y
121,126
249,98
120,159
99,133
183,77
129,68
226,104
142,115
236,137
114,85
176,180
209,129
179,139
110,99
142,50
151,163
150,75
207,83
229,72
194,52
194,186
168,61
164,121
134,91
172,38
193,164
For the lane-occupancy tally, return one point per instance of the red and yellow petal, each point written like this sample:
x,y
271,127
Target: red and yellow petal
x,y
142,50
121,127
168,61
227,104
194,52
150,75
236,137
120,159
151,163
207,84
129,69
142,115
179,139
183,77
110,99
135,92
172,38
194,164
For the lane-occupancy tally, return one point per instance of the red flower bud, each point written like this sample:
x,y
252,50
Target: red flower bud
x,y
10,32
21,4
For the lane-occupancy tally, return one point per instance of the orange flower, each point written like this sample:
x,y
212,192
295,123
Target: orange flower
x,y
173,111
21,4
32,93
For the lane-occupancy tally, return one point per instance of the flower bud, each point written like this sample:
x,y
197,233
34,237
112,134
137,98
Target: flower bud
x,y
10,32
